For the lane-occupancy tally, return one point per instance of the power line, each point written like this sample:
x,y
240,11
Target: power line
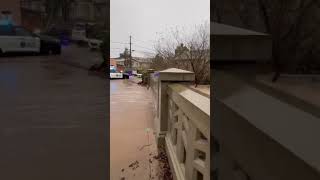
x,y
130,65
148,42
148,52
140,45
144,47
119,42
132,44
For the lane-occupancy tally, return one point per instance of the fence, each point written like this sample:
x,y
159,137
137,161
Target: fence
x,y
183,123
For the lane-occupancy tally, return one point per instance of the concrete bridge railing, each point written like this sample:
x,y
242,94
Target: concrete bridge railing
x,y
259,136
182,124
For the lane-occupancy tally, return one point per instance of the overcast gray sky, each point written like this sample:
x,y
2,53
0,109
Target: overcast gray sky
x,y
145,19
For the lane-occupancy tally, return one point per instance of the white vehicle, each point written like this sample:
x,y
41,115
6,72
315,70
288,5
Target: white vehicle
x,y
134,72
79,32
114,74
95,40
94,43
18,39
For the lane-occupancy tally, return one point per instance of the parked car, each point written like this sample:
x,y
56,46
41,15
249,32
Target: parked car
x,y
95,39
114,74
19,39
49,45
62,33
94,44
135,72
139,75
126,75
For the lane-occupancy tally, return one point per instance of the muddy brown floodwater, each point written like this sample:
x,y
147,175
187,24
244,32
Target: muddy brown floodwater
x,y
52,120
132,141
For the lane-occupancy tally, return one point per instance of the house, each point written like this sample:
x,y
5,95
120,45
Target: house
x,y
34,13
11,10
192,60
118,63
113,62
141,63
84,10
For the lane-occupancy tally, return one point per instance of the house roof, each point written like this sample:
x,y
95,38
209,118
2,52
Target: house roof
x,y
223,29
118,59
141,60
175,70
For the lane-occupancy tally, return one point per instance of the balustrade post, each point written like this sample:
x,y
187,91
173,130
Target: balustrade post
x,y
188,139
189,169
165,78
180,146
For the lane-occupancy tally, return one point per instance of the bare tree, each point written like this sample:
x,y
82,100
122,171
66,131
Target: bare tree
x,y
288,22
54,7
216,11
198,53
126,56
190,51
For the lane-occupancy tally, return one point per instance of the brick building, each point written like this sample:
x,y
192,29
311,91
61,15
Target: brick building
x,y
12,9
118,63
35,13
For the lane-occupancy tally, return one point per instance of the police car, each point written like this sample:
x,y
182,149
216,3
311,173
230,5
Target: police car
x,y
114,74
19,39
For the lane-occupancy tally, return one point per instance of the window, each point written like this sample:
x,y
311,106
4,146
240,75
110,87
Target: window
x,y
6,30
80,27
19,31
6,12
113,71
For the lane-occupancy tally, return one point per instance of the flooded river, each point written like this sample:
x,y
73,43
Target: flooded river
x,y
52,120
132,141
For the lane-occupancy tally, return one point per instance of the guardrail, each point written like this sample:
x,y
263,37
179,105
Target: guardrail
x,y
182,123
261,135
188,137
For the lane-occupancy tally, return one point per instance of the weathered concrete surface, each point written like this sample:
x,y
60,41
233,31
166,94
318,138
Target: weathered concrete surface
x,y
202,89
253,124
53,120
302,87
131,115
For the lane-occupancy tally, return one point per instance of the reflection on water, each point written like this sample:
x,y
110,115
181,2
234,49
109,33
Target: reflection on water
x,y
131,117
115,83
113,88
8,79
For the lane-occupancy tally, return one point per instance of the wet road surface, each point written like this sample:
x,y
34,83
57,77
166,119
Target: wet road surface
x,y
131,136
52,120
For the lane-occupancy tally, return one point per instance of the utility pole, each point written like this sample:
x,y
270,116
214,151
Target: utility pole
x,y
130,61
107,15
